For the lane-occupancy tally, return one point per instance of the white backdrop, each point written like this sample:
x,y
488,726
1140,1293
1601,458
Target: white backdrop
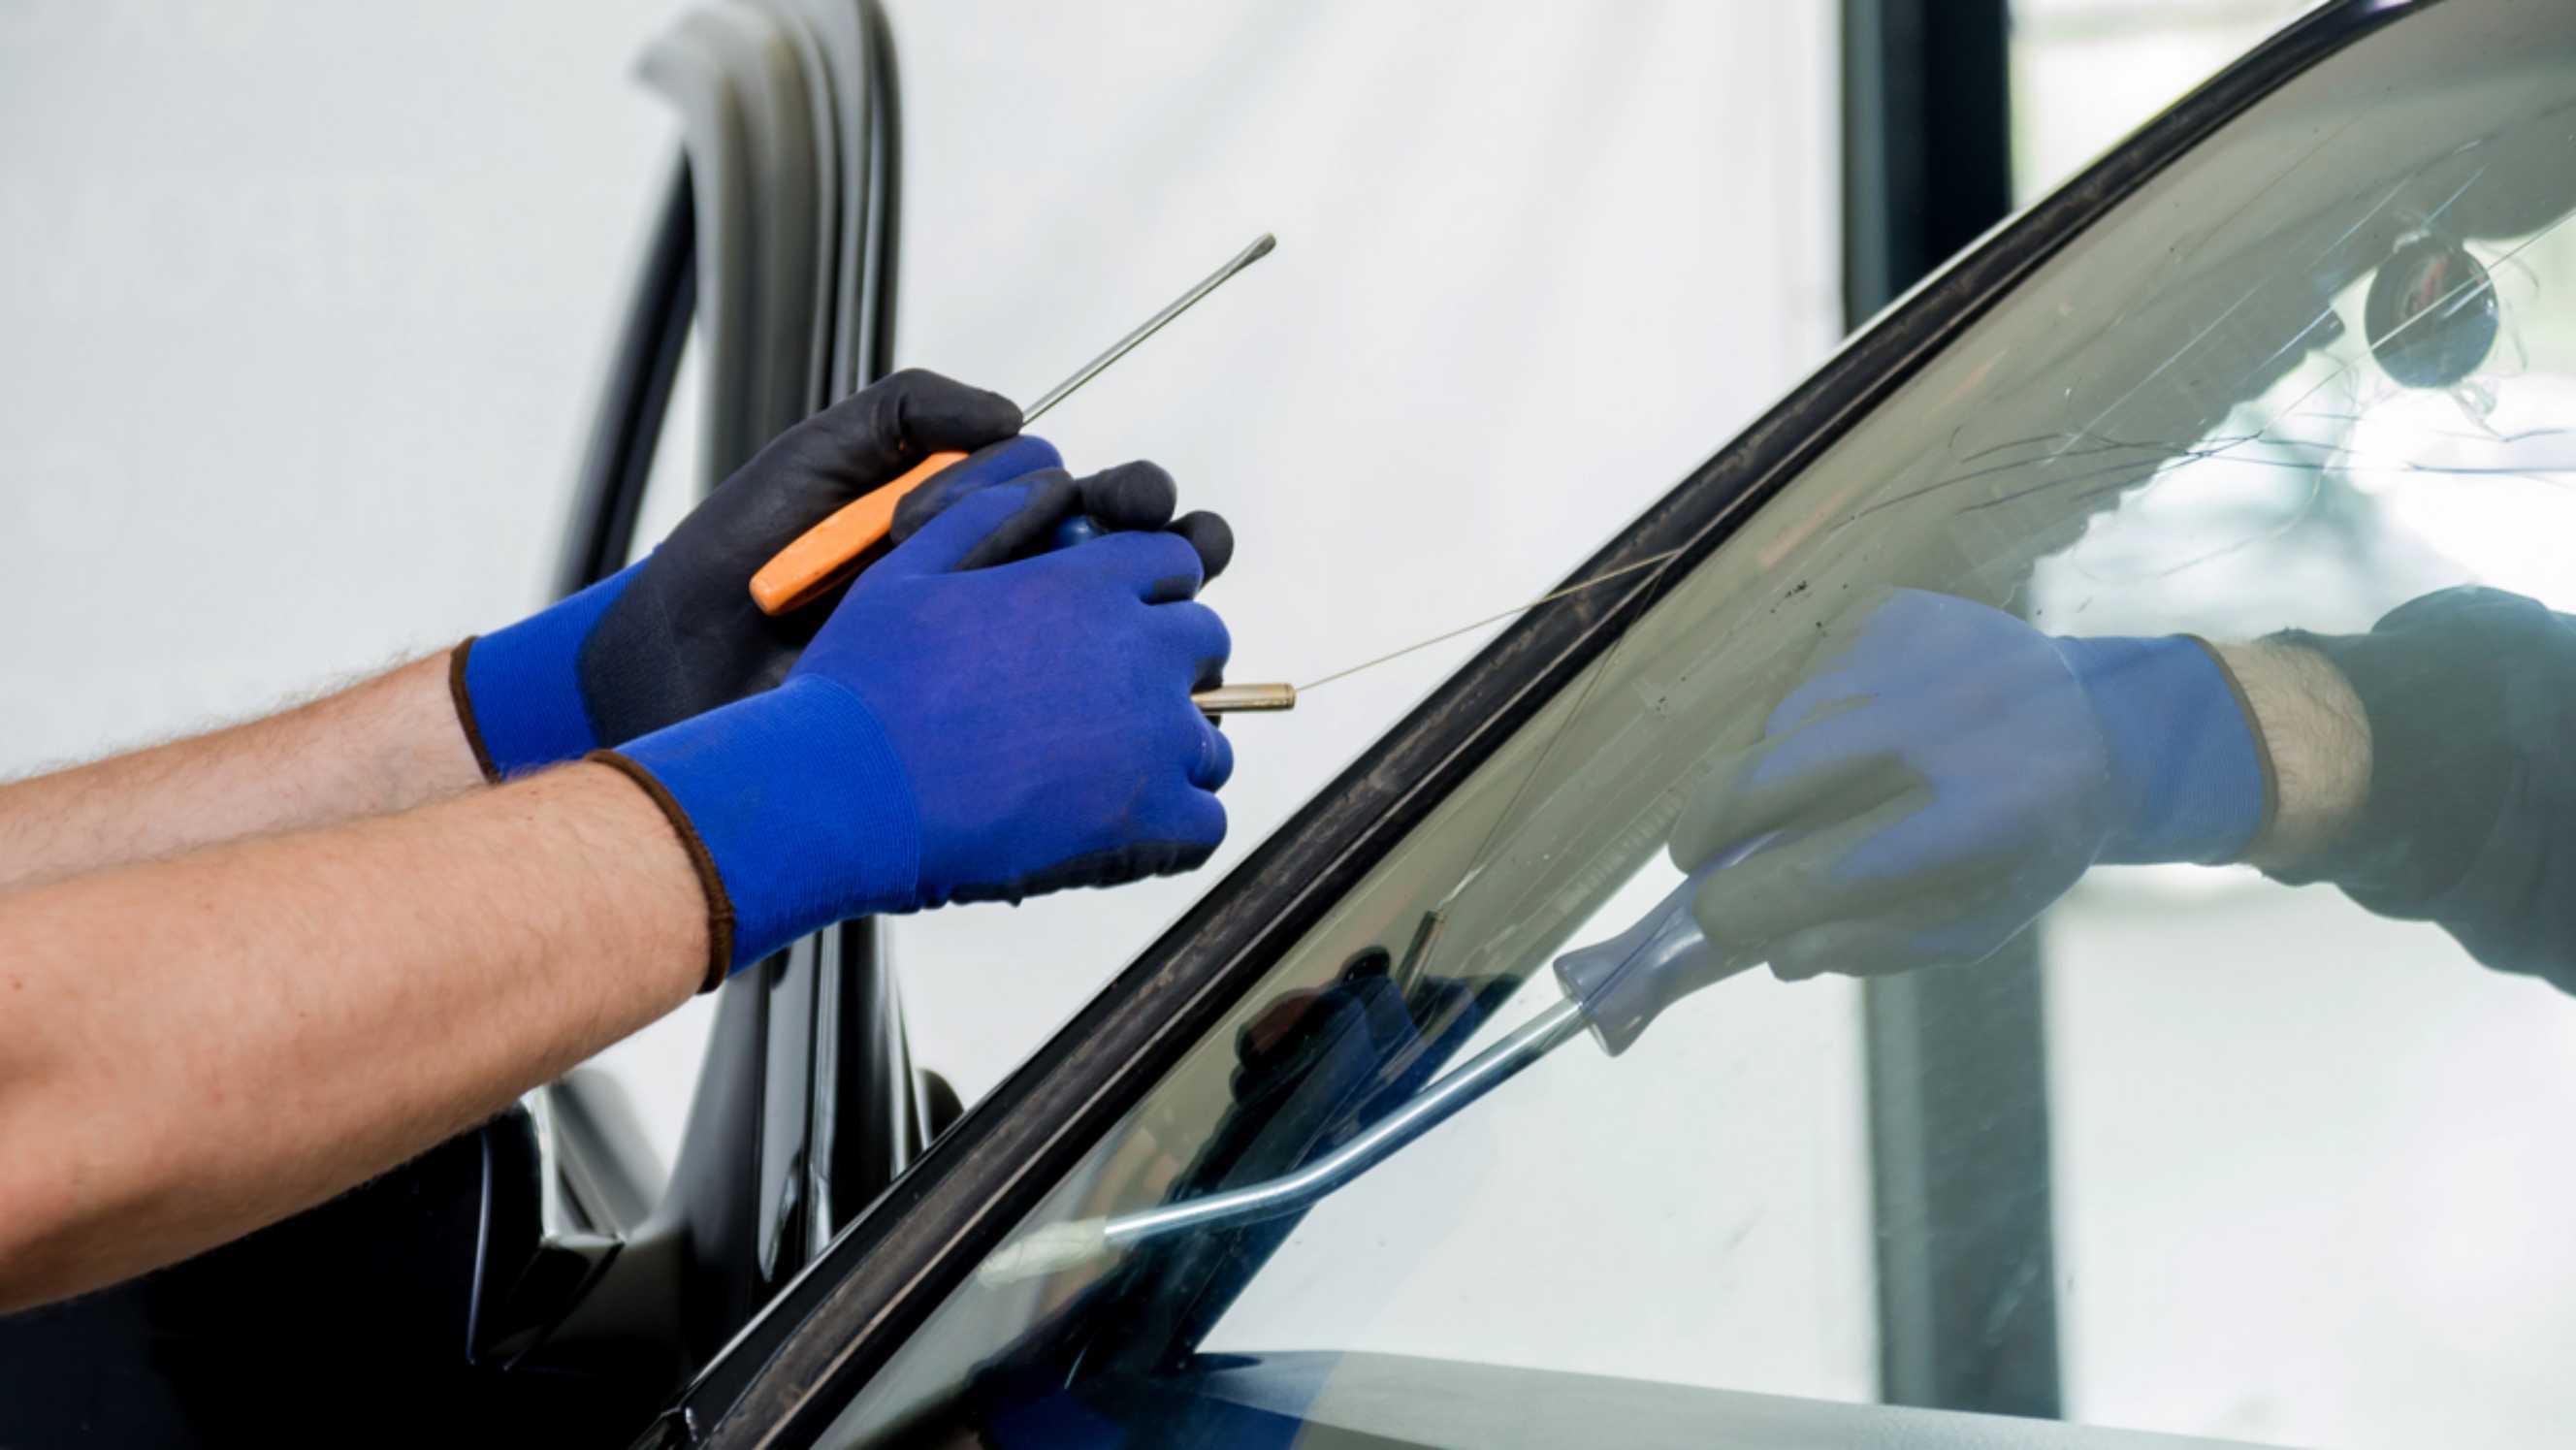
x,y
299,325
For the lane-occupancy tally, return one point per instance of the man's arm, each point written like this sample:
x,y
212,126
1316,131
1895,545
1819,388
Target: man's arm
x,y
386,745
1946,771
193,1048
663,640
654,644
204,1045
2465,814
2318,736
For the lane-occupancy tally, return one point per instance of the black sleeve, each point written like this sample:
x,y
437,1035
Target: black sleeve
x,y
2471,817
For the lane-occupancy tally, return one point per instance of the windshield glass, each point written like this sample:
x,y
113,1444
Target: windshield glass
x,y
2177,644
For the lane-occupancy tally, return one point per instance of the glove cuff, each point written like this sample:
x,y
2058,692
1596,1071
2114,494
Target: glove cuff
x,y
2193,778
720,918
516,690
463,700
797,808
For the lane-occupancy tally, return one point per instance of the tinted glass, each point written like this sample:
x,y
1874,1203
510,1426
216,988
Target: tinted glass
x,y
1999,684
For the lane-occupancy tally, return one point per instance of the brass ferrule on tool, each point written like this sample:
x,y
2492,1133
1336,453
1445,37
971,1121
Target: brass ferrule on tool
x,y
1232,699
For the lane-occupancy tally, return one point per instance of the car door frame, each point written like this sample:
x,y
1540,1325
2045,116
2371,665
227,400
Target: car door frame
x,y
807,1062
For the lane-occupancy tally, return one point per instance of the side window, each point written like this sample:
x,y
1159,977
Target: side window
x,y
2198,620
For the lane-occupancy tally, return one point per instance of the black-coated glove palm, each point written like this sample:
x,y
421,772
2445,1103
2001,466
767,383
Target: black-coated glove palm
x,y
679,634
685,635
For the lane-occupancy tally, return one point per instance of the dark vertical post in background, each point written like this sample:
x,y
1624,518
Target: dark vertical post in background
x,y
1958,1092
1959,1172
1927,139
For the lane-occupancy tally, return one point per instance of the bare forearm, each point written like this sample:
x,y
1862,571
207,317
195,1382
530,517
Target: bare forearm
x,y
386,745
199,1046
2318,737
2465,809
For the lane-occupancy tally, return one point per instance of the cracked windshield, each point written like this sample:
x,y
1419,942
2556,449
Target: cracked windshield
x,y
2064,912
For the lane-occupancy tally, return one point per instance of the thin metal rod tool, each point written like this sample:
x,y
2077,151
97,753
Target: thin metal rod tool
x,y
1449,634
835,549
1259,249
1235,698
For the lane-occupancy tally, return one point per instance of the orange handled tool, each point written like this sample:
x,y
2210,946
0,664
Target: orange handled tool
x,y
830,552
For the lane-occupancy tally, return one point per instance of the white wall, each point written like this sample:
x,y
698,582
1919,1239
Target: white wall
x,y
299,325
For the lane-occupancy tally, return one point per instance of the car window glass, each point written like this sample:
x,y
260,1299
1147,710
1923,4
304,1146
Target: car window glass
x,y
2303,1162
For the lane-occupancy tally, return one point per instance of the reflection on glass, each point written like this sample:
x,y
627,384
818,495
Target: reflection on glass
x,y
2233,538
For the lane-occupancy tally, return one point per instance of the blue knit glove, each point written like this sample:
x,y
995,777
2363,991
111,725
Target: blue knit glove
x,y
1063,511
958,735
1949,772
678,633
516,690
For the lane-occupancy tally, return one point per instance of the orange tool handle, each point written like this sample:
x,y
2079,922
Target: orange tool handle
x,y
829,552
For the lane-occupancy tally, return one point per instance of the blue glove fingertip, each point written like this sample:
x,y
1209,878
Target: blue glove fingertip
x,y
1013,457
998,463
943,543
1216,761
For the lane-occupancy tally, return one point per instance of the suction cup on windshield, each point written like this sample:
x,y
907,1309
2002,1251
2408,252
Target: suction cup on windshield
x,y
2431,315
